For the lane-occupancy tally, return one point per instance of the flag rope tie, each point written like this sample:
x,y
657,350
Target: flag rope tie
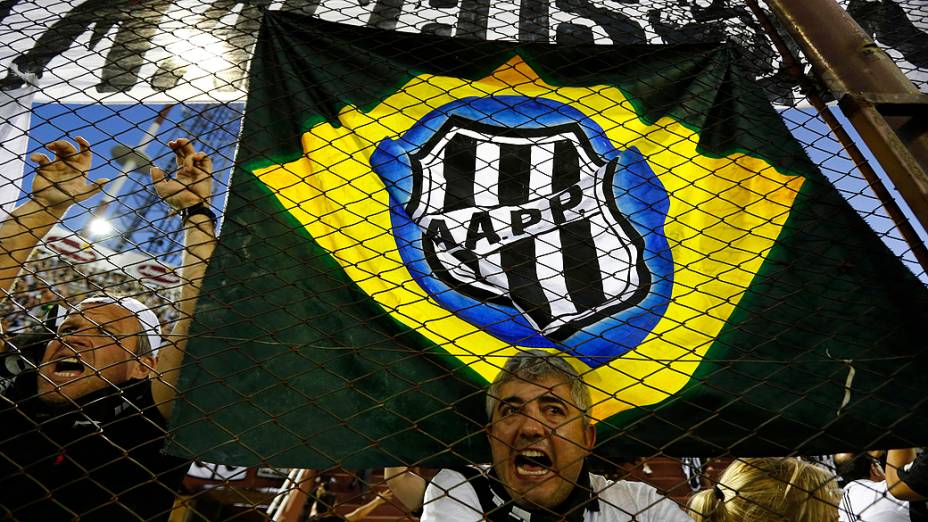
x,y
847,385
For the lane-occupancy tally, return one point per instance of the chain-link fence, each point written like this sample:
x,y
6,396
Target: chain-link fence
x,y
387,260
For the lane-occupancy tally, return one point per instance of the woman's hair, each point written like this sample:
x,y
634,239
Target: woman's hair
x,y
769,489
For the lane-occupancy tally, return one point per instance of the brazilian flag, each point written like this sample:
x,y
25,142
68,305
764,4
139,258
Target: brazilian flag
x,y
408,211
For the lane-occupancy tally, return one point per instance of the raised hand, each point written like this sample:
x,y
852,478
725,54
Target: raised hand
x,y
190,186
385,495
61,182
193,182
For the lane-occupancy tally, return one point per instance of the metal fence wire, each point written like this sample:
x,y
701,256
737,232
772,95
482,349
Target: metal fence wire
x,y
452,261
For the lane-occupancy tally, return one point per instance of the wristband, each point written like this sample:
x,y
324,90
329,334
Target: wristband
x,y
199,209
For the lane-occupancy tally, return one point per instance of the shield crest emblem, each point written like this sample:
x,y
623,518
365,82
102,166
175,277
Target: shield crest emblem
x,y
524,217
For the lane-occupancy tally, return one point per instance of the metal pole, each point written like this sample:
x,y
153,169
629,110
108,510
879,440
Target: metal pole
x,y
130,160
895,213
134,158
274,509
292,506
883,105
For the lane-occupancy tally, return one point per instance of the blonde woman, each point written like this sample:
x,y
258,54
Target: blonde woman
x,y
769,489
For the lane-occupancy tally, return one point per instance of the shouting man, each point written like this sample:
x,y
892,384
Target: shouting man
x,y
540,437
82,432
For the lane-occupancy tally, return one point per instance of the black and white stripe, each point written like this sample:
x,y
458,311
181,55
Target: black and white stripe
x,y
526,219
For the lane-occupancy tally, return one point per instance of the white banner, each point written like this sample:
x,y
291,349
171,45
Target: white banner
x,y
164,51
217,472
15,118
92,258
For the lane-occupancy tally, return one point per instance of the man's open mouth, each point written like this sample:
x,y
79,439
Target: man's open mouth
x,y
68,368
533,463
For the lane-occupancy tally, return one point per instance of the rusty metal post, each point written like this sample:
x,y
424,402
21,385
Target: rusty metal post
x,y
791,63
885,107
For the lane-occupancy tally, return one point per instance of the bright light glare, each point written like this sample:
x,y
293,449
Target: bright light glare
x,y
99,227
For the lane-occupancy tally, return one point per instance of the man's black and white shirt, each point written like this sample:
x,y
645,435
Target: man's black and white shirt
x,y
869,501
100,459
453,497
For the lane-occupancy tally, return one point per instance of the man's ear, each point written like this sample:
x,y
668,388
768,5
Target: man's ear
x,y
143,366
590,437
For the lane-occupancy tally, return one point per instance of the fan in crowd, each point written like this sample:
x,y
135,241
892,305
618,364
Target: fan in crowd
x,y
323,509
866,497
907,477
540,436
48,280
81,433
769,489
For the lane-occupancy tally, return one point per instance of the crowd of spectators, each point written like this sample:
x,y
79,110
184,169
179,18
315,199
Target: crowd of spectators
x,y
49,279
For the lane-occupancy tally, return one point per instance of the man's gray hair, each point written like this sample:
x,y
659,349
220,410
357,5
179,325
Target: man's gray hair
x,y
533,366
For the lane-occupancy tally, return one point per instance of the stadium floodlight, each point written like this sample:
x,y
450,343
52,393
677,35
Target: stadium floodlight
x,y
100,227
131,160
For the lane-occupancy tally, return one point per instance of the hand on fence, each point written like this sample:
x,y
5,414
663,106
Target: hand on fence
x,y
406,485
385,496
193,182
63,181
362,512
191,186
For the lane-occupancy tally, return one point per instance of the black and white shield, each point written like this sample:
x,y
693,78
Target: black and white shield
x,y
527,218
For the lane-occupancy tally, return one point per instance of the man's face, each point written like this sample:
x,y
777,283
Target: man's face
x,y
95,348
539,439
